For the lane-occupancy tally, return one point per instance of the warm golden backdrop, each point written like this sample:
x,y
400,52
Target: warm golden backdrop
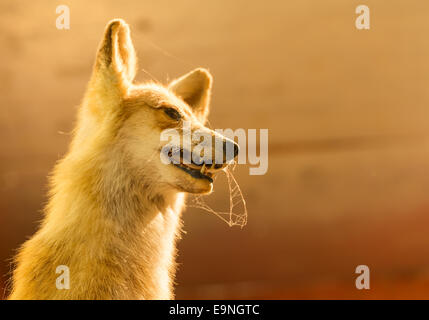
x,y
347,113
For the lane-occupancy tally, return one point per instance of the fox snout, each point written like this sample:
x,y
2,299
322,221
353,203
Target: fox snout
x,y
228,145
221,153
218,158
225,151
204,165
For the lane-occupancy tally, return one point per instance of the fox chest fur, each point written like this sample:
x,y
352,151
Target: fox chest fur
x,y
117,241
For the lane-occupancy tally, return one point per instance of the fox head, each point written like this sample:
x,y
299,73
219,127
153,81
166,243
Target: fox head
x,y
130,119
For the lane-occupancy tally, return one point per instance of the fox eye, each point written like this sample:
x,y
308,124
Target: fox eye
x,y
173,113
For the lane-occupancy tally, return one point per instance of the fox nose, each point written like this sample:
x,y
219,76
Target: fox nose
x,y
228,146
236,149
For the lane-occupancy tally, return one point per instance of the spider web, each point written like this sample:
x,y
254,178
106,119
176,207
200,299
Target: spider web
x,y
237,214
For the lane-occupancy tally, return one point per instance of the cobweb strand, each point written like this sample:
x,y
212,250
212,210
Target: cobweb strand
x,y
236,198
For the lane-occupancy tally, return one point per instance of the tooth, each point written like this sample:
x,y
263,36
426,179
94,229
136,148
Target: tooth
x,y
203,168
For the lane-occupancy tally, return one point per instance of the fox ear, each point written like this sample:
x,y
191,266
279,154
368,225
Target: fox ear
x,y
195,89
116,50
114,69
116,55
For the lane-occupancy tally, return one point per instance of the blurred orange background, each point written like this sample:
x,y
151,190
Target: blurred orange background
x,y
347,112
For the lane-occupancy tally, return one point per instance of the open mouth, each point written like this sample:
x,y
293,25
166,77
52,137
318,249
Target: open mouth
x,y
197,171
200,173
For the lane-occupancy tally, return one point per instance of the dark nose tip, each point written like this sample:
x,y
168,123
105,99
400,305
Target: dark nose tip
x,y
230,150
236,149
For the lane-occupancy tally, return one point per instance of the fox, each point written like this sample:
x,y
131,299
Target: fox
x,y
114,210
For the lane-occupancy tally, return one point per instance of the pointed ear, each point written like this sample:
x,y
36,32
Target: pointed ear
x,y
114,69
116,51
195,89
